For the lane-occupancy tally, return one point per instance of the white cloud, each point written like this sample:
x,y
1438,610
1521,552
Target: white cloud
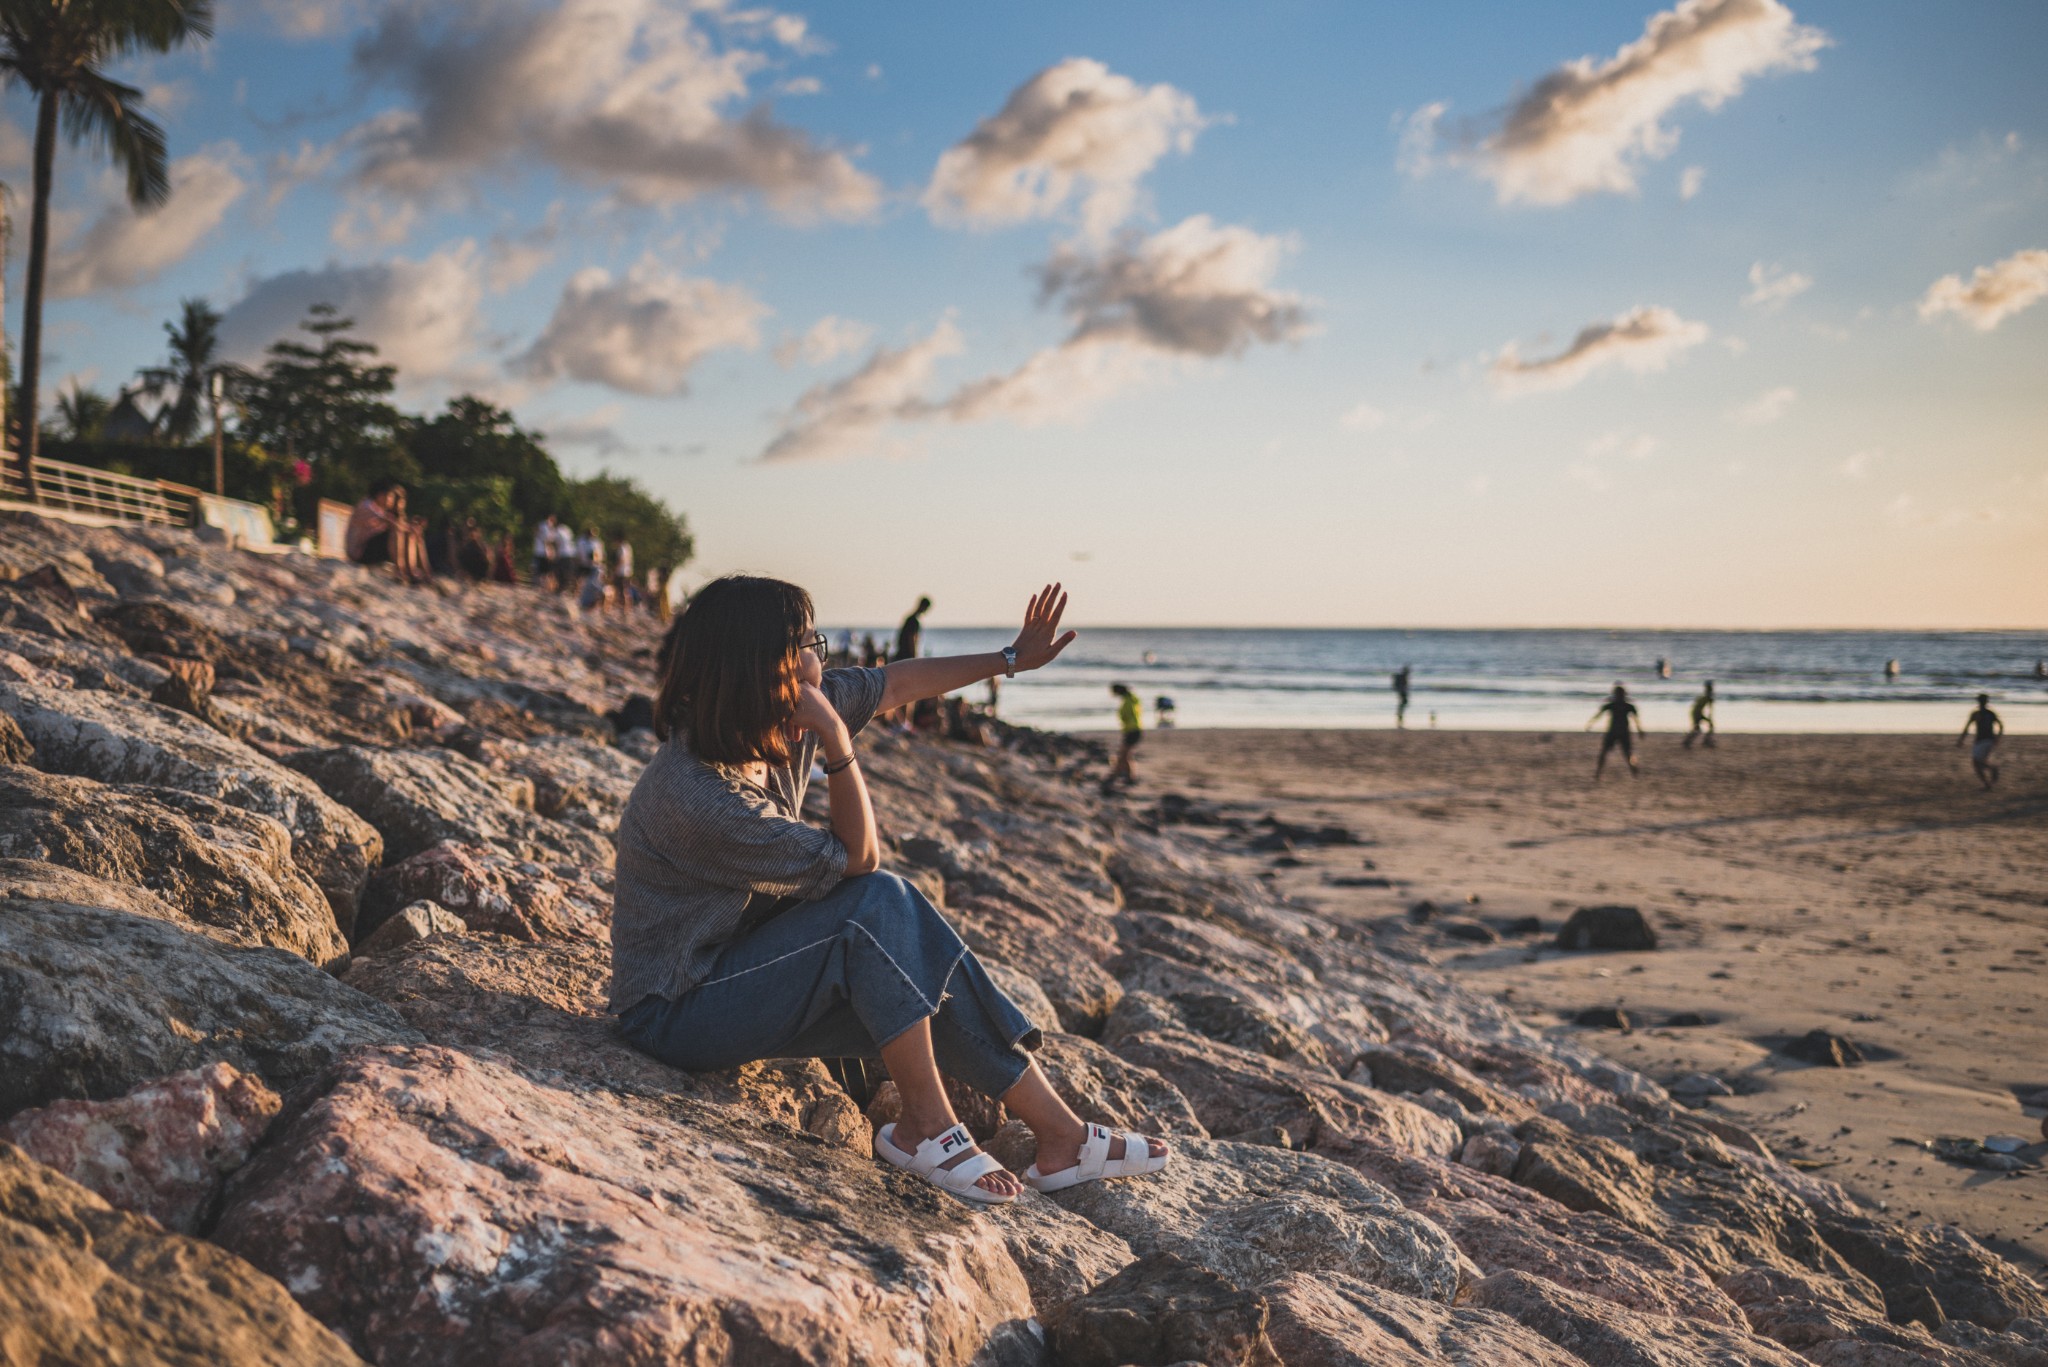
x,y
825,340
1075,131
422,315
1363,418
1639,446
1992,295
286,171
1857,466
1137,311
1196,289
311,18
1690,180
1771,286
642,333
1765,408
122,247
596,431
629,94
1587,126
1643,341
848,416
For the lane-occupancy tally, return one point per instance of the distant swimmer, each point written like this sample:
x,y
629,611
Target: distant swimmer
x,y
1702,718
1163,711
2041,669
1891,669
1663,668
1401,676
1620,712
1989,728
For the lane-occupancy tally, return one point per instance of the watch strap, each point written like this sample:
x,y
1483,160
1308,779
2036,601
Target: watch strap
x,y
1009,662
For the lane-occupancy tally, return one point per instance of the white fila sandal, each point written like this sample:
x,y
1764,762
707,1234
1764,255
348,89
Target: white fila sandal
x,y
957,1180
1096,1164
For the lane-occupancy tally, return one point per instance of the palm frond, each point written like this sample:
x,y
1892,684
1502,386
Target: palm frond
x,y
110,113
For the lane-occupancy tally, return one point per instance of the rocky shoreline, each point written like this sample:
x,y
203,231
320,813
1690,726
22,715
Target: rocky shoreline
x,y
304,882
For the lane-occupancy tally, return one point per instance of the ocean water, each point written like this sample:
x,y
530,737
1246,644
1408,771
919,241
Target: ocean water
x,y
1527,680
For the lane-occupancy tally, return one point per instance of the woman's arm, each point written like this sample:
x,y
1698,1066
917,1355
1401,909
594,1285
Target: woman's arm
x,y
1038,644
853,815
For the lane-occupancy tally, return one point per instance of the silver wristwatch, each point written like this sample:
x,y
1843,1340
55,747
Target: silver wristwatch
x,y
1009,662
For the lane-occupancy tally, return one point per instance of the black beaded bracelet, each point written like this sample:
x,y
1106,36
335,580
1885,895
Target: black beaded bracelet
x,y
840,765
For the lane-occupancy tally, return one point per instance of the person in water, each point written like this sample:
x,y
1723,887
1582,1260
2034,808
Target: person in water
x,y
1702,718
1401,695
1989,728
739,932
1620,713
1130,720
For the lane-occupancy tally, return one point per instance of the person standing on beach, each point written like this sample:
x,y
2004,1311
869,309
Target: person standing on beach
x,y
1620,712
1702,718
910,636
1129,717
1989,728
1401,695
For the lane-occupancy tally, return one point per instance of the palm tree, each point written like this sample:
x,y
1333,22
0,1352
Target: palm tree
x,y
83,412
58,49
195,339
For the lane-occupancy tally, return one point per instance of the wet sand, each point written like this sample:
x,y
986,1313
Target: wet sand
x,y
1863,885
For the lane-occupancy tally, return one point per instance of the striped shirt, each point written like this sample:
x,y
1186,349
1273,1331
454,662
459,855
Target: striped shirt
x,y
705,855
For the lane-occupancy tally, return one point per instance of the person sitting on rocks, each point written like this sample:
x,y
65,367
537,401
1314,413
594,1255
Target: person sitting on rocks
x,y
740,933
379,533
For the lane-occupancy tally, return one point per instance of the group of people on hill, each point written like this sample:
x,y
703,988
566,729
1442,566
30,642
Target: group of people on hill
x,y
381,532
602,577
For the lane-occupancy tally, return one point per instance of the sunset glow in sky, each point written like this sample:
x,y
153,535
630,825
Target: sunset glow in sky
x,y
1725,314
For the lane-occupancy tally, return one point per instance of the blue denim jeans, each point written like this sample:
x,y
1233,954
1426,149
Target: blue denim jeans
x,y
839,978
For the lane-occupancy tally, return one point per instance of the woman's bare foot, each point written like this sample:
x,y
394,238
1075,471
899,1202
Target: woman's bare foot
x,y
1061,1149
911,1132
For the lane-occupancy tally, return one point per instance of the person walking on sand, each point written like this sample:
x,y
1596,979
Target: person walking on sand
x,y
1702,718
1130,719
1401,696
741,932
1989,728
1620,713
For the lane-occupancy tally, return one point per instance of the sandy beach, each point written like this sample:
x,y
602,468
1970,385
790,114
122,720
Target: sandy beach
x,y
1863,885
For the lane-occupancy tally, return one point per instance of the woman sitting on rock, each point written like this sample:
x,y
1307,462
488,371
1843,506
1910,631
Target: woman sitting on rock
x,y
741,933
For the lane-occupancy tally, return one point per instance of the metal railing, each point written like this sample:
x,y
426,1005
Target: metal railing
x,y
64,487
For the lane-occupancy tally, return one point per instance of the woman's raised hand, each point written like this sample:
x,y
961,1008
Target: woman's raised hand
x,y
1039,643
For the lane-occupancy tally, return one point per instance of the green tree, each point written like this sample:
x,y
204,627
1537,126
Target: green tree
x,y
195,345
82,414
326,402
57,49
620,508
473,439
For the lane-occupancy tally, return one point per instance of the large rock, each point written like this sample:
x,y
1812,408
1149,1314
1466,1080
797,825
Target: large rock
x,y
1818,1319
1964,1278
434,1208
1585,1172
490,891
81,1282
162,1150
1238,1093
418,798
543,1008
1336,1321
1602,1334
1113,1091
219,867
1061,1255
115,740
94,1002
1256,1213
1503,1227
1164,1310
1230,1020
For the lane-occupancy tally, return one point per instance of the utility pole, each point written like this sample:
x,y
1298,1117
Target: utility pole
x,y
220,477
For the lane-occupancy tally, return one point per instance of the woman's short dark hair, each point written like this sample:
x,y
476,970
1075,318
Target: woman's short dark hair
x,y
730,685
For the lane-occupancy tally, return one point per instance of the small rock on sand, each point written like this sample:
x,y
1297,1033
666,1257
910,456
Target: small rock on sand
x,y
1621,928
1603,1018
1820,1047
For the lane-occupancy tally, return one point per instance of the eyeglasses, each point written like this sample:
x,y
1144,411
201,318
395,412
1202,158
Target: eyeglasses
x,y
819,644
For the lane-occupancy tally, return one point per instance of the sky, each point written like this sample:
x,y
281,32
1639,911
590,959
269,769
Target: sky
x,y
1306,313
